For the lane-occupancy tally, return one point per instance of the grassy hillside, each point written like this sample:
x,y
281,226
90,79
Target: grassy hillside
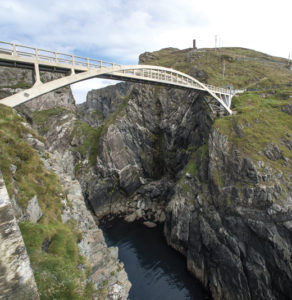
x,y
51,245
261,120
244,68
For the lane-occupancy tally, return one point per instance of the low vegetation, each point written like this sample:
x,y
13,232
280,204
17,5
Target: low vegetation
x,y
192,167
42,118
88,140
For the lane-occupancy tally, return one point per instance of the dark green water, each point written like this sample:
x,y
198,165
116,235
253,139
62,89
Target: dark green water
x,y
156,271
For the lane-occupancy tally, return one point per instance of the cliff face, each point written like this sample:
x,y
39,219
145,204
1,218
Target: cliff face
x,y
230,220
142,148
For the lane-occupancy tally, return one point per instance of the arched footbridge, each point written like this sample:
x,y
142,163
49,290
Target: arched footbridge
x,y
81,68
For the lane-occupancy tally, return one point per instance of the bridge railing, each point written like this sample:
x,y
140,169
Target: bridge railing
x,y
42,55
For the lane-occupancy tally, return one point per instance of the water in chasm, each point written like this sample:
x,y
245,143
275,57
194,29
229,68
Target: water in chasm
x,y
155,270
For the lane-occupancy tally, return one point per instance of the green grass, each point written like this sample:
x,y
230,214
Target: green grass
x,y
55,269
41,118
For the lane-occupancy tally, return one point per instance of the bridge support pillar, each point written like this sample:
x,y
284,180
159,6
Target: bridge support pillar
x,y
37,74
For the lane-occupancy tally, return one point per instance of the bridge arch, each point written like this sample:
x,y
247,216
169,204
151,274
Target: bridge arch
x,y
140,73
84,68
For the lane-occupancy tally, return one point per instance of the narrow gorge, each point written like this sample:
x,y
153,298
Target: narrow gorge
x,y
220,186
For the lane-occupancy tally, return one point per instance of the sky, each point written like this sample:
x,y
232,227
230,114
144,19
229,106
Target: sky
x,y
120,30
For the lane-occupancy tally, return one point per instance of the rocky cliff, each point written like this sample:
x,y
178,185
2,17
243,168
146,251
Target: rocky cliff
x,y
221,186
141,150
232,220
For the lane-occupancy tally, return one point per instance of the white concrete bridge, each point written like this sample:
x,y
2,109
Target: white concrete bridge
x,y
82,68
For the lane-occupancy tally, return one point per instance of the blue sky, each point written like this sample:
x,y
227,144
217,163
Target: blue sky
x,y
120,30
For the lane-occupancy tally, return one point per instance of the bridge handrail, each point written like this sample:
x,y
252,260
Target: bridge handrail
x,y
58,57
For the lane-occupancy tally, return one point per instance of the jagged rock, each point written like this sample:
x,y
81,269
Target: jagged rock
x,y
273,152
288,143
129,179
149,224
249,170
13,169
287,109
238,130
33,211
131,218
35,143
16,276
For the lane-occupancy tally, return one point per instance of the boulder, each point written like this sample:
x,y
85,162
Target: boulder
x,y
33,211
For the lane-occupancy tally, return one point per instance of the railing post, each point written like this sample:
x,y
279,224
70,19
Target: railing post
x,y
56,57
87,59
36,53
14,50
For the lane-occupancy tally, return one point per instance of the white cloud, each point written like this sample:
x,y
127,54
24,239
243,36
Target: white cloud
x,y
120,30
